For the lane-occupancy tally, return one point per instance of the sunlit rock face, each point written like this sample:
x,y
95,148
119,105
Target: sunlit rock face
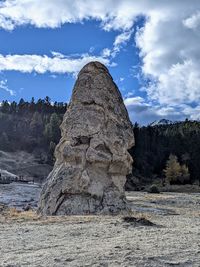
x,y
92,158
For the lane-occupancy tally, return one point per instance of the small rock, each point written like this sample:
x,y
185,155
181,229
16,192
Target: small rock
x,y
27,207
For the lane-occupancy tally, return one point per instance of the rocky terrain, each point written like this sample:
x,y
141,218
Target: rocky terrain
x,y
92,158
19,195
24,165
167,235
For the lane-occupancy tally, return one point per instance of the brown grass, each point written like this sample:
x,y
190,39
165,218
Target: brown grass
x,y
141,215
12,214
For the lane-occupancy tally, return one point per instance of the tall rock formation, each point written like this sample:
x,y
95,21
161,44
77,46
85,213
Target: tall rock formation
x,y
92,158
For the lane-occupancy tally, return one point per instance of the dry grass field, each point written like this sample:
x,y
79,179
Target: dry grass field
x,y
171,240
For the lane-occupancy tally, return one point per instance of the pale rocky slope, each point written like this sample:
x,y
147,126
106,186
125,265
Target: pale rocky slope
x,y
24,164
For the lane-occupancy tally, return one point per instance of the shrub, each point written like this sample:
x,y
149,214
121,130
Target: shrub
x,y
153,189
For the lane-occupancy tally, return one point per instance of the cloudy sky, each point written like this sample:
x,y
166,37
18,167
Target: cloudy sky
x,y
151,47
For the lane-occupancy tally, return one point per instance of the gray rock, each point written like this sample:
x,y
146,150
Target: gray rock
x,y
92,158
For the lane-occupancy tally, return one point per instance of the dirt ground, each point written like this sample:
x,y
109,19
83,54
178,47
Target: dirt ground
x,y
172,240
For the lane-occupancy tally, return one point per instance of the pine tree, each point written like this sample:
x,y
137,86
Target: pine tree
x,y
52,130
36,124
5,107
185,177
4,141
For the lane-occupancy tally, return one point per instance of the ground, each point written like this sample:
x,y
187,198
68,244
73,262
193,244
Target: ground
x,y
24,164
172,240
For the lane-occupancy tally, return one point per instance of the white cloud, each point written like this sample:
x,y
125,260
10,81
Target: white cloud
x,y
6,24
4,86
57,54
120,40
193,21
53,76
50,13
106,52
179,84
129,101
41,64
170,54
145,113
168,42
91,50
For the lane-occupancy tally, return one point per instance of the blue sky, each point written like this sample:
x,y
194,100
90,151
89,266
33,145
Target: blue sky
x,y
150,47
72,40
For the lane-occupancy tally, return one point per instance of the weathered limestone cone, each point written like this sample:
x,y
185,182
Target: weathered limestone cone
x,y
92,160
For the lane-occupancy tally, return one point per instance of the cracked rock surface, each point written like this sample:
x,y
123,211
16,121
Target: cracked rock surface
x,y
92,158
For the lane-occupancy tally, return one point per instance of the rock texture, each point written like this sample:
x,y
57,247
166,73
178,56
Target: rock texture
x,y
92,158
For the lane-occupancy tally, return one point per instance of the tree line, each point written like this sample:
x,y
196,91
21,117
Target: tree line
x,y
41,105
171,151
31,126
160,151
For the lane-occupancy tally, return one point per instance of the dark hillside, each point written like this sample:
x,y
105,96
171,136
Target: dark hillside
x,y
154,144
34,127
31,127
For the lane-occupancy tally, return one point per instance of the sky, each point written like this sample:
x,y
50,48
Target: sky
x,y
151,48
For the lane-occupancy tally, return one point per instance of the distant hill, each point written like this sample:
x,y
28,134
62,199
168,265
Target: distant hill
x,y
161,122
